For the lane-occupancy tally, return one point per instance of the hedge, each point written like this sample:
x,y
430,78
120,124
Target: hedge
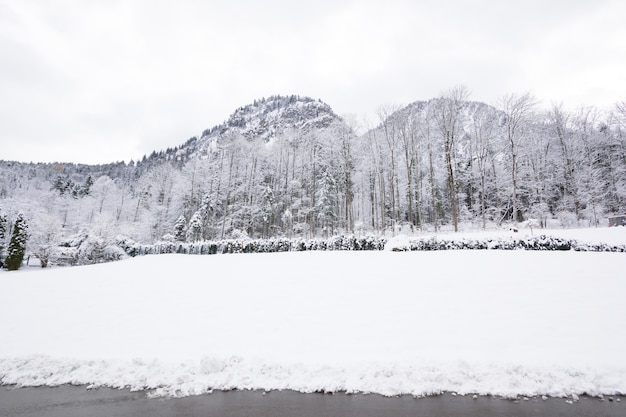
x,y
367,243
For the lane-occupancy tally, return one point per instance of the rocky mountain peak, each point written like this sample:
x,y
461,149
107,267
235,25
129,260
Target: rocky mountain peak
x,y
267,117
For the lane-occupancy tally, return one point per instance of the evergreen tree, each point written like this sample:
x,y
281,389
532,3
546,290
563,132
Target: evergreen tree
x,y
59,184
206,213
17,246
327,201
180,229
3,231
3,228
86,190
266,210
194,231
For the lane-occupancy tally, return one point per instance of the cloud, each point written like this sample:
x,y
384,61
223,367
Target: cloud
x,y
97,81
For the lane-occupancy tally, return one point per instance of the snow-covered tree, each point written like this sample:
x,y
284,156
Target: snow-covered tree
x,y
180,229
517,111
3,229
194,229
483,138
287,219
327,201
45,237
86,188
448,117
17,245
266,210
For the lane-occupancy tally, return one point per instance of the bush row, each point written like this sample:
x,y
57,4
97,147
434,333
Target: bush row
x,y
540,243
352,243
255,246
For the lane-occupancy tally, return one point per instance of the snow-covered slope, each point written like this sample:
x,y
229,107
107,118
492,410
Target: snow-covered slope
x,y
266,117
492,322
421,116
263,119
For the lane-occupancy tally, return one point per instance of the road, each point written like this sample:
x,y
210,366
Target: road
x,y
72,401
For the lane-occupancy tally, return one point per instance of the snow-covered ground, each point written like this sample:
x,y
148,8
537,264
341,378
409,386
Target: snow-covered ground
x,y
491,322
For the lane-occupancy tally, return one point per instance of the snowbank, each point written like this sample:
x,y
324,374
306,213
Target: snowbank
x,y
202,376
490,322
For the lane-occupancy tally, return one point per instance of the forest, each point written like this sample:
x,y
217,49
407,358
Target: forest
x,y
288,166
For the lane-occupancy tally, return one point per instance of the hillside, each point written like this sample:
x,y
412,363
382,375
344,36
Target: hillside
x,y
264,119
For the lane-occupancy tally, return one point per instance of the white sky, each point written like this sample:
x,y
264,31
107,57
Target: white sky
x,y
99,81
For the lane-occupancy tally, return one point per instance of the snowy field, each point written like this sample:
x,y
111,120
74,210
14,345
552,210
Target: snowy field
x,y
490,322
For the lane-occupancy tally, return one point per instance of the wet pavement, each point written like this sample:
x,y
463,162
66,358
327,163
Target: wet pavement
x,y
71,401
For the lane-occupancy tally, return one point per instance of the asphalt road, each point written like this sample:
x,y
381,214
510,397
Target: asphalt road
x,y
70,401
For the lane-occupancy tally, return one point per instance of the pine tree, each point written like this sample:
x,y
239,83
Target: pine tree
x,y
194,231
86,189
327,201
3,231
59,184
180,229
17,246
3,228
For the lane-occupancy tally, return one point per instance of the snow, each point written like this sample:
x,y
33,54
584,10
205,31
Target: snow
x,y
508,323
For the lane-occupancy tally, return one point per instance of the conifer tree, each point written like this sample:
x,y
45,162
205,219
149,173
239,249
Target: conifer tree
x,y
86,189
3,228
17,246
3,231
327,201
180,229
194,230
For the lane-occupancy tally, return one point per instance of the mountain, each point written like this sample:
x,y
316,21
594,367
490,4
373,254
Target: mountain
x,y
263,119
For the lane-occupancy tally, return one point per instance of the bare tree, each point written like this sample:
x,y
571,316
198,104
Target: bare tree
x,y
377,181
540,161
390,134
448,116
560,122
347,137
517,111
591,181
484,125
427,135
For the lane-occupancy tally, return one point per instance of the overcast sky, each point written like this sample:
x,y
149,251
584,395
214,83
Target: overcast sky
x,y
100,81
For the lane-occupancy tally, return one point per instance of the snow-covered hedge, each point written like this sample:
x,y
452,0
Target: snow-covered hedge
x,y
542,243
349,243
256,245
84,249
